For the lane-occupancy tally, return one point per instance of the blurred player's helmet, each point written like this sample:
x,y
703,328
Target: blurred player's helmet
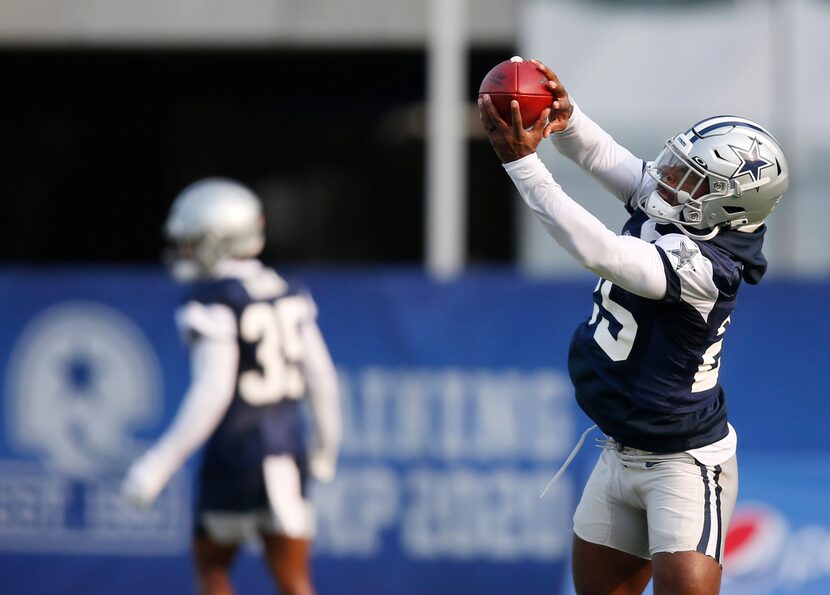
x,y
724,172
211,220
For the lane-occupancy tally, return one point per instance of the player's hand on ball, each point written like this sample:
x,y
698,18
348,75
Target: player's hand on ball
x,y
511,141
562,106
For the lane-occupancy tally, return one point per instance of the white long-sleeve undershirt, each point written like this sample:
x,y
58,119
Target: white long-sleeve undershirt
x,y
595,151
323,395
629,262
214,363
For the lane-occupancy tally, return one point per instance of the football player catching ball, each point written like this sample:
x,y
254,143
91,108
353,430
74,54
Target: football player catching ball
x,y
645,364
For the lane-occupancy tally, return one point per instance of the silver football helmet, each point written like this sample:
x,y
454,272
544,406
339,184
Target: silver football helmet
x,y
724,172
211,220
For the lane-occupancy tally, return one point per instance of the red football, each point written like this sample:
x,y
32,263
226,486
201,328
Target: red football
x,y
519,80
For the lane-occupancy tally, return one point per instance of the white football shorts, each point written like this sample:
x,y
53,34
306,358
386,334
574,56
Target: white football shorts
x,y
643,503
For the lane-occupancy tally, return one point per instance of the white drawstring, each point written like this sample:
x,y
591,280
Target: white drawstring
x,y
567,462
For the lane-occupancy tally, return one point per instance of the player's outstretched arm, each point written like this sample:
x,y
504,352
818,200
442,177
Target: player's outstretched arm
x,y
214,363
581,140
324,398
629,262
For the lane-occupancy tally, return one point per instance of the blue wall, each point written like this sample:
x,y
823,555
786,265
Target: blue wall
x,y
457,410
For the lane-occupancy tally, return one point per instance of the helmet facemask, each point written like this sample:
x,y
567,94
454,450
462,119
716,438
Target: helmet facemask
x,y
178,257
190,258
680,186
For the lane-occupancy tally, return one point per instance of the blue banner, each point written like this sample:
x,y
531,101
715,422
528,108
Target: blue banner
x,y
457,410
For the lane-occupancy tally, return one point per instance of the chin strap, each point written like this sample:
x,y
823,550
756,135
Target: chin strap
x,y
703,237
749,228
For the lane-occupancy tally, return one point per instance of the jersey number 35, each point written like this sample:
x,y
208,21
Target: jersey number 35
x,y
275,327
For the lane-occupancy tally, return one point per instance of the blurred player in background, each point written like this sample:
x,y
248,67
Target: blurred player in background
x,y
645,364
256,352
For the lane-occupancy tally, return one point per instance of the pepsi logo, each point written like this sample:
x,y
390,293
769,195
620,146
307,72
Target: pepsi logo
x,y
754,540
764,555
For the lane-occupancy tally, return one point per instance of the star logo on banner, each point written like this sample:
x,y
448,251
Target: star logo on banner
x,y
684,256
751,161
79,373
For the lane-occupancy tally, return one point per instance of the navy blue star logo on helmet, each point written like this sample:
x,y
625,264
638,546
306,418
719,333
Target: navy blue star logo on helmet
x,y
751,161
684,256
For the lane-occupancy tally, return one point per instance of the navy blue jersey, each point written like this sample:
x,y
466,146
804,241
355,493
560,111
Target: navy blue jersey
x,y
646,371
264,418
